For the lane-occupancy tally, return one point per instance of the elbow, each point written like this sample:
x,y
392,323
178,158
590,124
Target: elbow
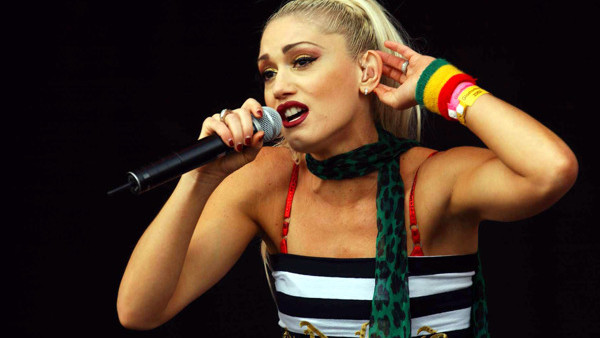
x,y
128,319
559,175
565,173
132,319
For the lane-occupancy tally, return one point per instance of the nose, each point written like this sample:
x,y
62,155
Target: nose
x,y
282,85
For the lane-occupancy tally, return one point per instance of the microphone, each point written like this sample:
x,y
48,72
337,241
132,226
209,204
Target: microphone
x,y
193,156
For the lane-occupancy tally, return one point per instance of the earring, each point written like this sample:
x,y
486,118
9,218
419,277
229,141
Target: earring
x,y
366,92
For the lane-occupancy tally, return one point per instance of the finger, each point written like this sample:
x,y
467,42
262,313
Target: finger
x,y
400,48
382,88
393,73
235,127
391,60
213,125
254,107
245,118
385,97
384,93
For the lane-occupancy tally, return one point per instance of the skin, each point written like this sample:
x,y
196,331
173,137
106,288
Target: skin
x,y
330,86
217,209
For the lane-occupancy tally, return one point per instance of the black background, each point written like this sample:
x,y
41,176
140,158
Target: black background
x,y
97,88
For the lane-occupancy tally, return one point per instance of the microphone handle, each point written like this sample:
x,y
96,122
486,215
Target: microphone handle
x,y
193,156
171,167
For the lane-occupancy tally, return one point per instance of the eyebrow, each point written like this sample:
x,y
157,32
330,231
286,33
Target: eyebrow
x,y
286,48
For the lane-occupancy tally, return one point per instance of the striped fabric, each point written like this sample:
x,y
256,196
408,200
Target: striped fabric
x,y
334,295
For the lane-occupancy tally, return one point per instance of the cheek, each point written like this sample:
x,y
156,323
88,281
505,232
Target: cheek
x,y
334,76
338,89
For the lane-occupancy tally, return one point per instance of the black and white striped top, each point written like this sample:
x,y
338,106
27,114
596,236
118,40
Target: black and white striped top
x,y
334,294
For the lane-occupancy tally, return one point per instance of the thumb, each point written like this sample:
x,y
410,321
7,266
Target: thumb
x,y
385,94
397,98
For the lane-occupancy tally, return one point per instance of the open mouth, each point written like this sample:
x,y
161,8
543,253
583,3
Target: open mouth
x,y
292,113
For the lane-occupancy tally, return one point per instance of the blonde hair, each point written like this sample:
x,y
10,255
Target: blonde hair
x,y
365,25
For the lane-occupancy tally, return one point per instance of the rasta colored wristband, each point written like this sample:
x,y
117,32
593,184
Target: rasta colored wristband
x,y
436,85
425,76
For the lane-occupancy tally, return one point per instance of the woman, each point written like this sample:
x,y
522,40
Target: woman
x,y
334,222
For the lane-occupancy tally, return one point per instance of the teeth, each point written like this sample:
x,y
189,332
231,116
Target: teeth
x,y
292,111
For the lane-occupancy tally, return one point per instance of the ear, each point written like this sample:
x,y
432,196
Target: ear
x,y
371,66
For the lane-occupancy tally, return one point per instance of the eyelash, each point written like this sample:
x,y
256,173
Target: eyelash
x,y
300,62
306,59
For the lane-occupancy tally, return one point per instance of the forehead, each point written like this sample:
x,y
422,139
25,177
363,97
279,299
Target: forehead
x,y
291,29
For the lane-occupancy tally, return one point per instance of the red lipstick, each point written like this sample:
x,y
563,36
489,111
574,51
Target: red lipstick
x,y
292,113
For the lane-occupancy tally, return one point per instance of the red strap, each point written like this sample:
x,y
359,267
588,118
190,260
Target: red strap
x,y
414,228
288,208
291,191
416,237
411,202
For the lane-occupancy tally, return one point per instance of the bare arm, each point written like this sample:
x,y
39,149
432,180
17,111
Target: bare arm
x,y
197,236
525,169
529,169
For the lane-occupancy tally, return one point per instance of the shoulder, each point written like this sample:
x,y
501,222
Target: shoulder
x,y
271,165
271,168
259,185
411,160
450,164
439,174
445,164
440,177
262,187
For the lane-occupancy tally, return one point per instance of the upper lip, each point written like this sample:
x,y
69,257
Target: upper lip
x,y
287,105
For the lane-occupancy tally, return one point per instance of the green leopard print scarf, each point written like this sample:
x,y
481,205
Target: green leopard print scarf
x,y
390,307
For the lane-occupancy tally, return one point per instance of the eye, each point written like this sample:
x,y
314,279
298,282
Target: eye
x,y
268,74
303,61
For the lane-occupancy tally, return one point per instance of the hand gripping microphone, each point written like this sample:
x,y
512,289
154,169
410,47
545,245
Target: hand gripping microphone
x,y
193,156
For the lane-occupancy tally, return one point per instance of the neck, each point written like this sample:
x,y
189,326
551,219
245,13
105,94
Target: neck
x,y
347,140
339,192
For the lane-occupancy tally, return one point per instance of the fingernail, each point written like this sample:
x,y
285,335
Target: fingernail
x,y
248,140
260,138
238,147
260,112
230,141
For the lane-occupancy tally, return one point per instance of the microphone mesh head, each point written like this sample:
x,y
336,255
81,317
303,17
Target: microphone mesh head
x,y
270,123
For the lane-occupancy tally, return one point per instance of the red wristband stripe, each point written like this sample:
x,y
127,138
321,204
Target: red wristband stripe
x,y
447,90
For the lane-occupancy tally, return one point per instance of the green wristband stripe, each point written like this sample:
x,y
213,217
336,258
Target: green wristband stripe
x,y
425,76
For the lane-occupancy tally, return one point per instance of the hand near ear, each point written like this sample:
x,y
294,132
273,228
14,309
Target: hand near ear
x,y
403,96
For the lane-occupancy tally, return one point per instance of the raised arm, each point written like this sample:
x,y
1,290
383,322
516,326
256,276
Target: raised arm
x,y
199,233
525,169
530,169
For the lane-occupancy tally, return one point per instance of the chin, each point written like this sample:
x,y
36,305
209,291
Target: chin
x,y
300,145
